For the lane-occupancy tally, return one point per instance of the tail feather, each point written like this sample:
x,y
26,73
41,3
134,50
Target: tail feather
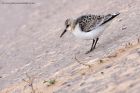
x,y
110,17
115,14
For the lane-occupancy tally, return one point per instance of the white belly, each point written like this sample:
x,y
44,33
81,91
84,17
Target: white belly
x,y
88,35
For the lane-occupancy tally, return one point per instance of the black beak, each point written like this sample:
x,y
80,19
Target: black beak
x,y
63,33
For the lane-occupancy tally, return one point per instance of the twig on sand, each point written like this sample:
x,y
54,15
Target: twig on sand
x,y
30,82
81,62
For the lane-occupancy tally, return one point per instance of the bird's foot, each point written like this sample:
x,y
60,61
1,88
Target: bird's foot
x,y
90,50
87,52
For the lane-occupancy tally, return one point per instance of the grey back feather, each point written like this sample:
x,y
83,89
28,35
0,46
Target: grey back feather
x,y
90,22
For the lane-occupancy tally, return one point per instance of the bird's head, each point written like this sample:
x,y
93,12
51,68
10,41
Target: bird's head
x,y
69,26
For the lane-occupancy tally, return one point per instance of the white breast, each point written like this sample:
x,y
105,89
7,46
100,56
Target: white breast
x,y
88,35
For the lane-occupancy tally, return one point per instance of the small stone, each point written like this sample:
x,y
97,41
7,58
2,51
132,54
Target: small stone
x,y
124,27
102,73
120,20
108,66
83,73
68,85
101,61
82,83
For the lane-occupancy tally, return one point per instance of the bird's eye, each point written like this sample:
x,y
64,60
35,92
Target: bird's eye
x,y
67,25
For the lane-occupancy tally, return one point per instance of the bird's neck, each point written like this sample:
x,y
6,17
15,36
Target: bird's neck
x,y
74,24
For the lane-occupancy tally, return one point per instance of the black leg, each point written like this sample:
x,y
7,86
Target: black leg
x,y
92,47
95,43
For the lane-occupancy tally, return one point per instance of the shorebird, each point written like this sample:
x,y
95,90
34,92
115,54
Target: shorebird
x,y
89,27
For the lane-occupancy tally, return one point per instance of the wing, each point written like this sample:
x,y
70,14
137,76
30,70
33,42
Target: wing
x,y
90,22
109,17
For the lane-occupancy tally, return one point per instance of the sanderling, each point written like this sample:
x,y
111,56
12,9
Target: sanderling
x,y
89,27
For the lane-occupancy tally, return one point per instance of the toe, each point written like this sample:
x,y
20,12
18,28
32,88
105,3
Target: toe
x,y
87,52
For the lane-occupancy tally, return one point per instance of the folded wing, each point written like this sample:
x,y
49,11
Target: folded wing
x,y
90,22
